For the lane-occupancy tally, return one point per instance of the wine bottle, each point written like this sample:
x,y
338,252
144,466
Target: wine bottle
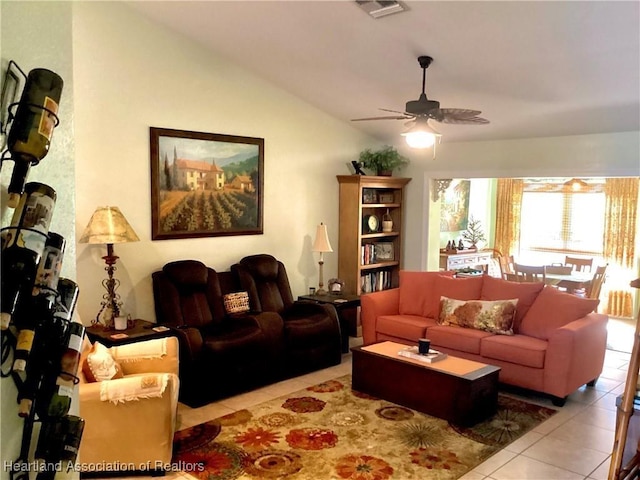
x,y
53,400
68,297
58,444
24,242
63,392
32,127
42,366
40,306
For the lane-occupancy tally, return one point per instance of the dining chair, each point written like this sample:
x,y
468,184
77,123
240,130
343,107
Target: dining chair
x,y
579,264
529,273
506,267
595,287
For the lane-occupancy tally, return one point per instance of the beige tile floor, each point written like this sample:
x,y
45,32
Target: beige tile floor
x,y
575,443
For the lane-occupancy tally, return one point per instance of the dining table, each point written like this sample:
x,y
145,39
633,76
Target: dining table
x,y
571,281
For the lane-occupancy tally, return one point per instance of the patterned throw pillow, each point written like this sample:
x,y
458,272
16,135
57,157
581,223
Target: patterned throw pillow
x,y
491,316
99,365
235,303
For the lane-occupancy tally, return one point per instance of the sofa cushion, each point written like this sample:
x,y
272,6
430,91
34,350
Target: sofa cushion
x,y
458,288
518,349
552,309
457,338
411,327
415,291
499,289
495,316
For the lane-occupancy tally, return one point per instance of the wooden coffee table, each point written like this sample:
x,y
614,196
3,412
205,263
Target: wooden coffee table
x,y
460,391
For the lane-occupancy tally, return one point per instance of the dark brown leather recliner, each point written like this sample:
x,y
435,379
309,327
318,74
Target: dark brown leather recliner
x,y
311,331
219,355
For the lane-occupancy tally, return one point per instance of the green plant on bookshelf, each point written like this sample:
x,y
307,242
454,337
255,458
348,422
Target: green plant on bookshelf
x,y
383,161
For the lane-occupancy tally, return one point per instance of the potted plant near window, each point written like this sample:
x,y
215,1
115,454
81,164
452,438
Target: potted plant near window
x,y
383,161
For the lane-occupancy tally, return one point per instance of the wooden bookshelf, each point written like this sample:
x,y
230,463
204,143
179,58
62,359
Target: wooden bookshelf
x,y
370,258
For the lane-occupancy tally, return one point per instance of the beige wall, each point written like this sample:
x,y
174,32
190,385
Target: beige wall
x,y
132,74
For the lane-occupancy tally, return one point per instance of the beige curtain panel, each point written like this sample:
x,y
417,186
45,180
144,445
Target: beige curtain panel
x,y
621,212
508,211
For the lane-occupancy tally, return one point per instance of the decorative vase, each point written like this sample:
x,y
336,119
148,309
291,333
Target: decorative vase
x,y
384,173
387,222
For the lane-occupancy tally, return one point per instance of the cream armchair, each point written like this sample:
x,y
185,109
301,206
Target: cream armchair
x,y
130,421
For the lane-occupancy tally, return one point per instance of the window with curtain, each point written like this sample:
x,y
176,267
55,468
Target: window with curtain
x,y
541,220
558,219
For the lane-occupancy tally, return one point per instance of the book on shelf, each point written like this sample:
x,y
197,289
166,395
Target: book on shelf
x,y
431,357
375,281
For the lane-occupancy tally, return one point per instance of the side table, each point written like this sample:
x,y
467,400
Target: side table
x,y
141,330
347,308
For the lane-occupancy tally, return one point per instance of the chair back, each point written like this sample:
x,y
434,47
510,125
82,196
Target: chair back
x,y
558,269
529,273
506,267
579,264
595,287
187,294
266,281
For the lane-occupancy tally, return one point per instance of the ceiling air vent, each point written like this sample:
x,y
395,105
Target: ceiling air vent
x,y
380,8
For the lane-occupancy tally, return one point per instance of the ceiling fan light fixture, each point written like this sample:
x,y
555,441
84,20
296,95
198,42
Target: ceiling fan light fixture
x,y
419,139
421,135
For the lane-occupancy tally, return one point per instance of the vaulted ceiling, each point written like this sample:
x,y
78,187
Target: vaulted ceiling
x,y
534,69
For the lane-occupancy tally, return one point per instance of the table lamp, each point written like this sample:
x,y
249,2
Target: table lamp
x,y
322,245
108,225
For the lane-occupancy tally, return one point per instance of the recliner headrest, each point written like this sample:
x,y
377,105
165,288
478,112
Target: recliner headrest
x,y
188,273
263,265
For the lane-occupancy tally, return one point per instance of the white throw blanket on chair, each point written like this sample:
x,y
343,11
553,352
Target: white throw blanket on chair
x,y
134,387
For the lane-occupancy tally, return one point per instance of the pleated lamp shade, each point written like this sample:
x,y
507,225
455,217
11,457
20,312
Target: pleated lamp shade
x,y
321,243
108,225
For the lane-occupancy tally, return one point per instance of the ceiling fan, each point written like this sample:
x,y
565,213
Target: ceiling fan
x,y
420,111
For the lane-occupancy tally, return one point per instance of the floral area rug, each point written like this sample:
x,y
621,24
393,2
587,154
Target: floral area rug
x,y
329,431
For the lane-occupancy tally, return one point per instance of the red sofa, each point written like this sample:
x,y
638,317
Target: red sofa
x,y
557,345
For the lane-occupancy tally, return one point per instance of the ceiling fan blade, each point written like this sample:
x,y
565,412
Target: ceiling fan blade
x,y
460,112
380,118
396,111
464,121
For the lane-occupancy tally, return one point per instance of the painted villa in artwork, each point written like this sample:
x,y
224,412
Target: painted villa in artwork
x,y
199,175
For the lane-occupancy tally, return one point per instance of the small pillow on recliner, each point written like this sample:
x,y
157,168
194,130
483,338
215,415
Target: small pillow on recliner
x,y
236,303
99,365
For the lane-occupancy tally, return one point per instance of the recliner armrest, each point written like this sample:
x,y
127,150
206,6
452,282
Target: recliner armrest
x,y
190,343
306,308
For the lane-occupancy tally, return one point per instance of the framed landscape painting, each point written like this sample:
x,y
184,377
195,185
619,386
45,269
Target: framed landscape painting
x,y
205,184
